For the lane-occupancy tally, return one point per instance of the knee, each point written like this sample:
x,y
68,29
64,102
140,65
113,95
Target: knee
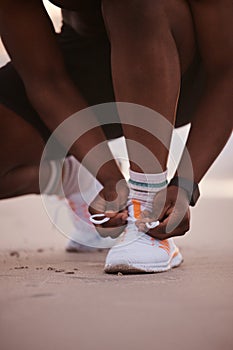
x,y
19,181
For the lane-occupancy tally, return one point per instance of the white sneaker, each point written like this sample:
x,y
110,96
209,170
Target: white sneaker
x,y
71,217
137,252
84,237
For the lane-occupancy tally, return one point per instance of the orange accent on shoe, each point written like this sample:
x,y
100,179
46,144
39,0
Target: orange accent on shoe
x,y
72,205
165,245
85,211
176,252
152,241
136,208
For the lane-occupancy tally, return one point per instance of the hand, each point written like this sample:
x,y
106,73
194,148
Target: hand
x,y
171,208
112,202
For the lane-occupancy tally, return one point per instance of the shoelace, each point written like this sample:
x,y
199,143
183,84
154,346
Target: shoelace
x,y
104,219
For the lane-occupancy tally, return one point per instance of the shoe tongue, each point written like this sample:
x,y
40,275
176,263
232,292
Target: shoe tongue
x,y
146,239
135,208
132,234
141,198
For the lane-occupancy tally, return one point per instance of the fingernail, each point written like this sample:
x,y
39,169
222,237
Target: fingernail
x,y
110,213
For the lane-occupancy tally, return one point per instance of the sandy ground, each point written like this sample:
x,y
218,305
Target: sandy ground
x,y
80,307
50,299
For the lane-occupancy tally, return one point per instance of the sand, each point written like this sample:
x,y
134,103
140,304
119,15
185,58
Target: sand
x,y
50,299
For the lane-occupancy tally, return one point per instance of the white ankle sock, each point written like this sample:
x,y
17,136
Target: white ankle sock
x,y
143,187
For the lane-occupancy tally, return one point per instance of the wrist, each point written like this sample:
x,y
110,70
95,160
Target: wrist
x,y
190,187
109,173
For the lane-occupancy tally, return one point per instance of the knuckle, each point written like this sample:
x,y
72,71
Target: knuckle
x,y
158,207
91,210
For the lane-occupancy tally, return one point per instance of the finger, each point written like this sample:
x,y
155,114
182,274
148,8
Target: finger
x,y
124,214
160,206
110,213
162,231
97,206
142,227
93,209
117,220
112,232
145,214
114,207
116,199
111,206
102,203
141,224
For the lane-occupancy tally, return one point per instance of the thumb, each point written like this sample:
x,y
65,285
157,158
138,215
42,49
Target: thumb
x,y
160,205
111,204
115,197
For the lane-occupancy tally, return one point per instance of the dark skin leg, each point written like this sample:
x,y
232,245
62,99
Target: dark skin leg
x,y
91,24
212,123
152,44
22,148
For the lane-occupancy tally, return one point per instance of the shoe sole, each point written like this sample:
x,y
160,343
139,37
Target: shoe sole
x,y
145,268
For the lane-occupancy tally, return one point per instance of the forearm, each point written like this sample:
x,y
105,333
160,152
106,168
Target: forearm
x,y
56,99
210,129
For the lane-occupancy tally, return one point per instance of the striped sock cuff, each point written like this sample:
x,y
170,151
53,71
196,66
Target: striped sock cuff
x,y
147,182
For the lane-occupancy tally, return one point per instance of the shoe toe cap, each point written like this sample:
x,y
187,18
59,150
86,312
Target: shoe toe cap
x,y
136,255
